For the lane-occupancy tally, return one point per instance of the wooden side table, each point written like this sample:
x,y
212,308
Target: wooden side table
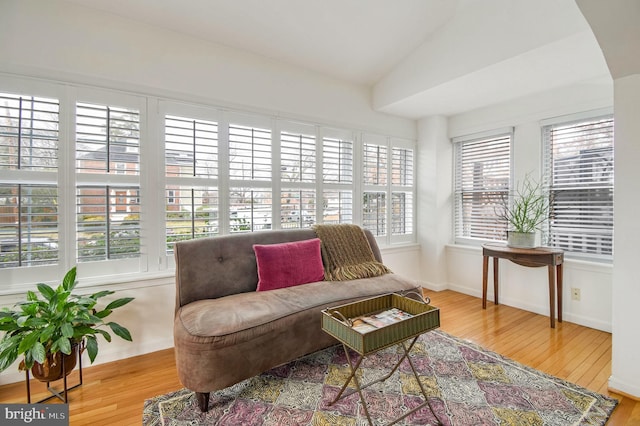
x,y
531,257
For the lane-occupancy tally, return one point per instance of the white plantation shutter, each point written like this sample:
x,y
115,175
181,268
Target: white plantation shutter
x,y
251,209
374,212
250,173
28,225
337,206
108,222
482,179
28,133
298,157
388,184
401,167
337,177
401,213
375,167
107,182
401,191
299,208
337,164
191,212
578,160
28,193
375,164
249,153
191,173
298,174
191,147
107,139
141,172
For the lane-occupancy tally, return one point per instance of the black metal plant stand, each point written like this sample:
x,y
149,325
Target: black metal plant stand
x,y
62,395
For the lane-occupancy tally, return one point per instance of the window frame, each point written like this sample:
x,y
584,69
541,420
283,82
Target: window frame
x,y
343,189
16,278
21,178
458,192
405,188
383,183
571,121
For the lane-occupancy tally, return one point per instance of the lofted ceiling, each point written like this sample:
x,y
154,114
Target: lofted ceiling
x,y
419,57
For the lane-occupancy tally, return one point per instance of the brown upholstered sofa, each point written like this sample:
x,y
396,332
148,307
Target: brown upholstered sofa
x,y
225,331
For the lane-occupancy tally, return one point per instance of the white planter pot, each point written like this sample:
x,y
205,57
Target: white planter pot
x,y
521,239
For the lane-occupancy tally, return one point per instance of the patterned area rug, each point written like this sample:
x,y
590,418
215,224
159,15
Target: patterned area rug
x,y
466,385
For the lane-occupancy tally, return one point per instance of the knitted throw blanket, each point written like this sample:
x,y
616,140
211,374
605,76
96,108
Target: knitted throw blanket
x,y
346,253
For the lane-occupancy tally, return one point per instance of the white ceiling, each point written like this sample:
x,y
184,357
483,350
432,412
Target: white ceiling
x,y
354,40
392,45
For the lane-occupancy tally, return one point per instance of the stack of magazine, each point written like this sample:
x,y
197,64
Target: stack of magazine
x,y
366,323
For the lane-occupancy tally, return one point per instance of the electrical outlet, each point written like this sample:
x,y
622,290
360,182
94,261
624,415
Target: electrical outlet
x,y
575,293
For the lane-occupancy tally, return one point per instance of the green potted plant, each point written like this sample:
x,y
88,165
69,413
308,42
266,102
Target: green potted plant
x,y
52,323
524,213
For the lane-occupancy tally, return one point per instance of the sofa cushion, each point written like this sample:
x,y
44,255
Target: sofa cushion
x,y
288,264
241,317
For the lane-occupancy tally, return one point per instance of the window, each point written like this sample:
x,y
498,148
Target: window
x,y
375,164
28,190
388,188
249,153
482,179
401,191
191,173
374,206
374,212
337,206
298,208
298,157
578,157
28,225
298,162
141,173
191,147
251,209
337,164
250,176
337,177
108,183
108,222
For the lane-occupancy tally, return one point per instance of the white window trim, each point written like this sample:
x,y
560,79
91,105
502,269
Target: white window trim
x,y
568,120
496,133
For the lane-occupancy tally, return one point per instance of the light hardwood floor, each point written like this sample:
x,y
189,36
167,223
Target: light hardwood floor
x,y
113,393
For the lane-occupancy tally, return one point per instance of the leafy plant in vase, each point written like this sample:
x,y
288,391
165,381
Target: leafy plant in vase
x,y
525,214
52,323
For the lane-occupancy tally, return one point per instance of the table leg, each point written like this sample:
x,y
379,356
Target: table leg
x,y
485,273
351,376
559,290
552,295
359,387
495,280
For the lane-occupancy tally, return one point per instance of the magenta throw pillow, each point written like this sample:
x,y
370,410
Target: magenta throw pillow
x,y
288,264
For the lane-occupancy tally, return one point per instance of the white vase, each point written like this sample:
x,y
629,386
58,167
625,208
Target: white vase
x,y
521,239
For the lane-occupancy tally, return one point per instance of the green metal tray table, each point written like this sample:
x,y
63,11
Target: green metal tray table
x,y
338,322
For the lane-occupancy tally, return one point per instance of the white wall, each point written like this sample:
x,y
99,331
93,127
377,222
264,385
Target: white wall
x,y
615,25
625,371
527,288
61,40
434,183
